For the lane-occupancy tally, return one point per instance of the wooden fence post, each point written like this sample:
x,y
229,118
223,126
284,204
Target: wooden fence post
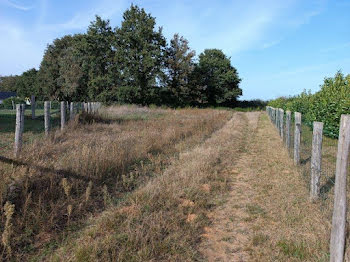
x,y
297,134
288,125
281,123
316,159
47,116
23,108
71,111
19,129
32,104
339,210
276,117
63,114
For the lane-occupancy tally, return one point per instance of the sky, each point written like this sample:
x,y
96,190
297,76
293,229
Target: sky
x,y
279,47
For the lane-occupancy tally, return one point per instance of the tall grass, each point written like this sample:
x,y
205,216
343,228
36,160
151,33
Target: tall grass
x,y
60,181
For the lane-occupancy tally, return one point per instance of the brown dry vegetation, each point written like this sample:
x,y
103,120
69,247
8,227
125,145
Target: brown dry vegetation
x,y
164,219
267,215
93,165
140,184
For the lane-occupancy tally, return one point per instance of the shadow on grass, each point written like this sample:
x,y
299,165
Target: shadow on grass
x,y
61,172
305,161
324,190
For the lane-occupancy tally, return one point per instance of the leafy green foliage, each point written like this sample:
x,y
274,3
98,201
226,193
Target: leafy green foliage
x,y
8,83
180,65
216,78
49,71
7,103
325,106
140,54
129,64
26,83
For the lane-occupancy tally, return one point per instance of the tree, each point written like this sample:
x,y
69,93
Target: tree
x,y
99,54
49,71
180,65
215,79
8,83
140,55
26,84
72,79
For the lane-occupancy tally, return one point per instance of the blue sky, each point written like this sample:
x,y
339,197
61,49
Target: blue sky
x,y
279,47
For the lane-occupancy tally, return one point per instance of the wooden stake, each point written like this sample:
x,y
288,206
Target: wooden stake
x,y
47,116
297,134
316,158
63,114
288,126
19,129
339,211
281,122
32,104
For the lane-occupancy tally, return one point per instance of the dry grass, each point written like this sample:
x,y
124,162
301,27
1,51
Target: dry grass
x,y
267,215
291,228
61,181
164,220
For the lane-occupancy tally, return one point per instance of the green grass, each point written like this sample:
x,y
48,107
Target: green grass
x,y
33,128
293,249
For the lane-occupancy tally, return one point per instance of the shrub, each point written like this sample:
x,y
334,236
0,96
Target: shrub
x,y
327,105
7,103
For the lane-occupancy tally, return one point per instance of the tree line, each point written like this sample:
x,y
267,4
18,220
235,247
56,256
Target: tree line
x,y
132,63
326,105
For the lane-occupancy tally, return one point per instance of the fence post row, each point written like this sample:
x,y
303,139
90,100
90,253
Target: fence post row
x,y
338,233
316,160
337,243
32,104
297,134
20,112
47,106
20,109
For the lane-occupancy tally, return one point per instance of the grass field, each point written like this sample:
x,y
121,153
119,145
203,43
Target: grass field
x,y
139,184
61,181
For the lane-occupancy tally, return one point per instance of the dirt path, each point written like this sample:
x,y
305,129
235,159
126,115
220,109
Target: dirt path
x,y
266,216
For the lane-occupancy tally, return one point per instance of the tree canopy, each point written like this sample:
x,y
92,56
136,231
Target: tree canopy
x,y
132,63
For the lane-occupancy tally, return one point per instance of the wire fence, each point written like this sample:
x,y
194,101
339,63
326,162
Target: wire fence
x,y
34,126
328,162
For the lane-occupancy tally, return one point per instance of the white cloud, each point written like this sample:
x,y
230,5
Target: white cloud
x,y
16,5
106,9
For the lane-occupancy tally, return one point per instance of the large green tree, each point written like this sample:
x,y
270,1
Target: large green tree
x,y
180,65
140,55
49,71
99,55
8,83
72,79
26,84
216,80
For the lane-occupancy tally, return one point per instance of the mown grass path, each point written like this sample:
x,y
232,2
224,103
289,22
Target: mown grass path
x,y
267,215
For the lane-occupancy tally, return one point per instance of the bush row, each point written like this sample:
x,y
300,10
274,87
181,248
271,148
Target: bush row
x,y
326,105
